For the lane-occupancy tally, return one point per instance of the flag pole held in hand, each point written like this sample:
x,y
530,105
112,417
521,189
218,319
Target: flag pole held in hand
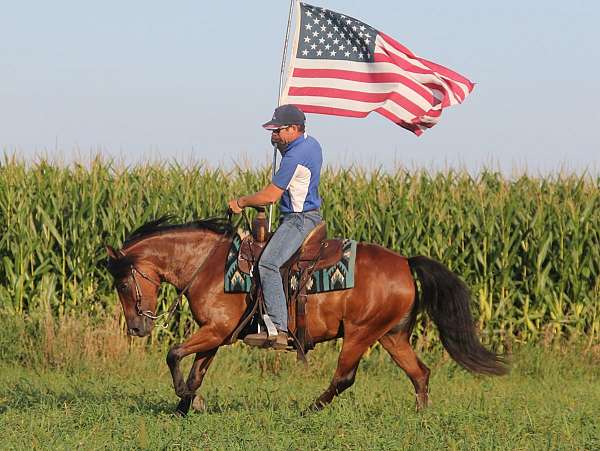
x,y
281,75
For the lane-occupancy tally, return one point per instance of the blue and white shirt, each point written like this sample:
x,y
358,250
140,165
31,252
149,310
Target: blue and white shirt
x,y
298,174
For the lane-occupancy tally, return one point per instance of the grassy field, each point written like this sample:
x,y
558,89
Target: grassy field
x,y
80,386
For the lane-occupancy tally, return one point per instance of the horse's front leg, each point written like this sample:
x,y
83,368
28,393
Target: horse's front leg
x,y
195,378
207,339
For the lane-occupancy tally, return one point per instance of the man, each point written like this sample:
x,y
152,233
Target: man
x,y
296,183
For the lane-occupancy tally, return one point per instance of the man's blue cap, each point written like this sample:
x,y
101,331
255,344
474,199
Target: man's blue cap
x,y
285,115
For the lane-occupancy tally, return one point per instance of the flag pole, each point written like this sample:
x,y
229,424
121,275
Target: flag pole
x,y
281,75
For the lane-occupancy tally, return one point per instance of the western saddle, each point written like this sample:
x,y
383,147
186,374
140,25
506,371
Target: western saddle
x,y
316,252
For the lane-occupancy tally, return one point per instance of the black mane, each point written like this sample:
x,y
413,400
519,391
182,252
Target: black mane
x,y
121,266
162,225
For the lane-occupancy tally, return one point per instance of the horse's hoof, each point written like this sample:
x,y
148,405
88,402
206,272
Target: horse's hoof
x,y
313,408
423,403
183,407
198,404
179,414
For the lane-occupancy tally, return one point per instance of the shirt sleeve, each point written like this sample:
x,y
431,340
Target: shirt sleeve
x,y
284,174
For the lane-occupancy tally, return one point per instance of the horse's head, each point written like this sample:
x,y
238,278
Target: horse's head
x,y
137,285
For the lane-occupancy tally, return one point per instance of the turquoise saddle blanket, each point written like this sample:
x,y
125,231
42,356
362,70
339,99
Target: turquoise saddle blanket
x,y
336,277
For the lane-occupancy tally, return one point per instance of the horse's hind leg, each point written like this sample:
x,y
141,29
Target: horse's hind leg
x,y
399,348
199,368
353,349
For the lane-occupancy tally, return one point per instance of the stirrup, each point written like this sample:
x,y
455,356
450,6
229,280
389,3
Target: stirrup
x,y
271,329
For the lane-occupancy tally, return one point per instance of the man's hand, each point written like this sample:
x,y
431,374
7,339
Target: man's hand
x,y
266,196
234,206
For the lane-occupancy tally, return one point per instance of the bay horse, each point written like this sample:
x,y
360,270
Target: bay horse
x,y
382,306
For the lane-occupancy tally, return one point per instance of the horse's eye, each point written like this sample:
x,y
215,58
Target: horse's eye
x,y
122,286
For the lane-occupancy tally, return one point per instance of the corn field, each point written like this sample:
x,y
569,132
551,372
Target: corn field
x,y
528,247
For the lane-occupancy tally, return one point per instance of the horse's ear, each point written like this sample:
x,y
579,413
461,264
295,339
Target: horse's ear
x,y
112,253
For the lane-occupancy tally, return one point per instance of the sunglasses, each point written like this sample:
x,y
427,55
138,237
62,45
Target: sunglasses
x,y
277,130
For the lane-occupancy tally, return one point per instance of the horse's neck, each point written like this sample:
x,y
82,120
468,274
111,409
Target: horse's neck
x,y
177,256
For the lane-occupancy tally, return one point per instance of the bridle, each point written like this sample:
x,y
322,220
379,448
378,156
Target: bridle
x,y
138,294
138,291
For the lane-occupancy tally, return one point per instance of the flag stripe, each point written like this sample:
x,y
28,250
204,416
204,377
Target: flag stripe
x,y
355,66
448,73
356,105
384,71
415,128
373,97
425,79
424,74
374,79
367,87
310,108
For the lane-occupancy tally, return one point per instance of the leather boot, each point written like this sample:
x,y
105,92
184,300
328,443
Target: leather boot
x,y
281,343
262,340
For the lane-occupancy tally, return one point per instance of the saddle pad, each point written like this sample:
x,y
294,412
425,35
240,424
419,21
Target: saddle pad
x,y
339,276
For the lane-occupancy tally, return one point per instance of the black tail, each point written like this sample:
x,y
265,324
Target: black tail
x,y
446,299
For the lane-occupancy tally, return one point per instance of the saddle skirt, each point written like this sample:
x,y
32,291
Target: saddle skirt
x,y
334,270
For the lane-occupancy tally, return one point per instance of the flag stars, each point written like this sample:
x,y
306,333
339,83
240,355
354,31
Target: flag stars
x,y
327,34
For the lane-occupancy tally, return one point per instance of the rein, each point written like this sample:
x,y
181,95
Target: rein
x,y
138,291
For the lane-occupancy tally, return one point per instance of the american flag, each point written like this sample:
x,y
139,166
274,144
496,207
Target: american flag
x,y
344,67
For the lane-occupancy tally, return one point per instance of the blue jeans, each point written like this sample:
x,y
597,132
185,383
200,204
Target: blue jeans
x,y
284,243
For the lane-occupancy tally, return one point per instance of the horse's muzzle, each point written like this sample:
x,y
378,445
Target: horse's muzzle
x,y
140,328
137,332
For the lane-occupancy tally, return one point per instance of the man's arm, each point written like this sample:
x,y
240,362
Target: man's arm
x,y
269,195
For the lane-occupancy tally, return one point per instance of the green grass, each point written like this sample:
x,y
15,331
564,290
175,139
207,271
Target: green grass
x,y
551,400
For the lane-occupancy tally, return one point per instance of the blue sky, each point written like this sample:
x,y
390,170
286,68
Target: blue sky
x,y
192,81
